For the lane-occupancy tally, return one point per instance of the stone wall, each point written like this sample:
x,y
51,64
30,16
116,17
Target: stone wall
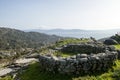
x,y
84,48
78,64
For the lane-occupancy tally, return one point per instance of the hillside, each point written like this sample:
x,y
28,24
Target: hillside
x,y
15,39
113,73
41,74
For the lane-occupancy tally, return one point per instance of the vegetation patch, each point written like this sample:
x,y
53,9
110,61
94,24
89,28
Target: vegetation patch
x,y
71,40
7,78
117,47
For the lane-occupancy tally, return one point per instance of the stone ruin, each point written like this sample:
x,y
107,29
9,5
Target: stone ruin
x,y
86,48
80,63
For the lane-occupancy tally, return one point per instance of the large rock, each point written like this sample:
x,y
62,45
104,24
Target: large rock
x,y
110,42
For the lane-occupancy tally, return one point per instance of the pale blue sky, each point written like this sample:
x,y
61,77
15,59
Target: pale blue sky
x,y
65,14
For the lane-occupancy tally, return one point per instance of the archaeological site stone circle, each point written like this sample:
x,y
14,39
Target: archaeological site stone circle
x,y
82,62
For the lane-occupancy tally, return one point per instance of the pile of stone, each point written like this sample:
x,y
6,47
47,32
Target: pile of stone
x,y
78,64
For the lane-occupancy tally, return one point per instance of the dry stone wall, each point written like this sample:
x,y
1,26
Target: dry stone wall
x,y
78,64
85,48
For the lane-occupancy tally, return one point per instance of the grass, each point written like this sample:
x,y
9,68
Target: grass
x,y
70,41
35,73
117,46
63,54
6,78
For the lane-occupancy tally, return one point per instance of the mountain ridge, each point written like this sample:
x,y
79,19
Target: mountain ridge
x,y
13,38
78,33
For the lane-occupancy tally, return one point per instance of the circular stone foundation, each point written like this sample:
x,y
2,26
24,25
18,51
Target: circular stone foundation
x,y
85,48
102,59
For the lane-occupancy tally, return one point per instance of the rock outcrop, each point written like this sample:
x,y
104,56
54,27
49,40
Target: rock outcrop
x,y
110,42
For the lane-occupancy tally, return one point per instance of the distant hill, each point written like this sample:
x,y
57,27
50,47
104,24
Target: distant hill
x,y
12,39
78,33
55,30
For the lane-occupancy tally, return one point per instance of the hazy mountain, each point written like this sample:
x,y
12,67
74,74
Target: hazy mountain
x,y
12,38
78,33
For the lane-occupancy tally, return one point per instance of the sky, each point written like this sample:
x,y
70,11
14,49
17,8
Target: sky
x,y
62,14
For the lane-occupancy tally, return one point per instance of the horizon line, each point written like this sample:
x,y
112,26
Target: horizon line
x,y
58,28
